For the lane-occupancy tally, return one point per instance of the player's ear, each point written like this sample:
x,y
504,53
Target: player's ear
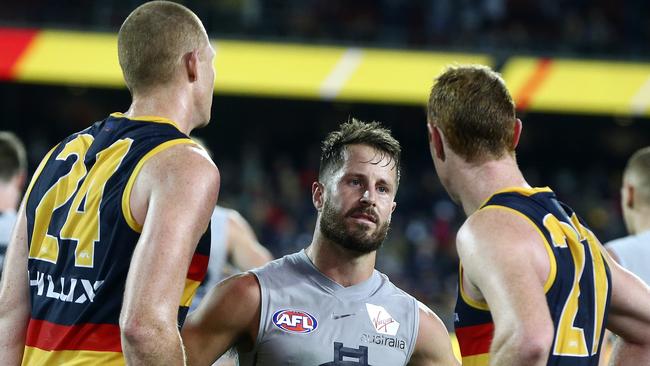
x,y
629,196
20,180
517,133
191,65
435,138
317,192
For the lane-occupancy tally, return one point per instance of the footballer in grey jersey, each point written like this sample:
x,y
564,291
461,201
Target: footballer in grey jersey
x,y
308,319
327,305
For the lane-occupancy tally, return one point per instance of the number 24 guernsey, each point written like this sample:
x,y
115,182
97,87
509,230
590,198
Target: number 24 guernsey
x,y
82,235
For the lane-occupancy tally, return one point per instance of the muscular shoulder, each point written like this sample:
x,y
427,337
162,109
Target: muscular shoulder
x,y
495,228
433,345
243,286
232,303
183,172
182,160
431,321
496,244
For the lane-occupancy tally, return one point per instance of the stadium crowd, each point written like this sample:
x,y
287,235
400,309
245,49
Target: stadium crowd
x,y
604,27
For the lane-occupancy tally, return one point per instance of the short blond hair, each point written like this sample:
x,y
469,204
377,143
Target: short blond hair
x,y
152,41
474,110
637,173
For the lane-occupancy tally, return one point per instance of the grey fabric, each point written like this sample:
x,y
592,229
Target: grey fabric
x,y
633,254
308,319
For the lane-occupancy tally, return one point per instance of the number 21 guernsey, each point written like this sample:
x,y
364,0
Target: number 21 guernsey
x,y
577,288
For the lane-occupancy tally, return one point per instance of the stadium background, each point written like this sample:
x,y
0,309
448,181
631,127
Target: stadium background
x,y
290,71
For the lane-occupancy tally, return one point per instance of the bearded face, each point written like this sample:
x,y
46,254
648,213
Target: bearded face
x,y
351,233
358,200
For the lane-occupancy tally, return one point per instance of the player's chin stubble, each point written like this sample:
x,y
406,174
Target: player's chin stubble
x,y
357,239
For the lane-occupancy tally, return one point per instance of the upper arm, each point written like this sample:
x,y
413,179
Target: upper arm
x,y
629,313
228,316
504,256
176,190
14,290
433,345
14,295
244,249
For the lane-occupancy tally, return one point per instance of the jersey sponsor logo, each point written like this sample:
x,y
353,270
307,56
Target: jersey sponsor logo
x,y
77,290
382,320
382,340
295,321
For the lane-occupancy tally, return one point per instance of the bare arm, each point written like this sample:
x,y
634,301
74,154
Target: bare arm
x,y
433,345
629,317
175,193
243,248
229,316
14,296
505,260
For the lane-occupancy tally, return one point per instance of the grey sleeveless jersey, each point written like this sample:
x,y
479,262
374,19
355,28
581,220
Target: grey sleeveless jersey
x,y
309,320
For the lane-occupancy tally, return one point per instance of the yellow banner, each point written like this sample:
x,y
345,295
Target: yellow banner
x,y
338,73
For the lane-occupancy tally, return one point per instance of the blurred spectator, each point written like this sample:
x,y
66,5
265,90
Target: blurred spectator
x,y
13,173
600,27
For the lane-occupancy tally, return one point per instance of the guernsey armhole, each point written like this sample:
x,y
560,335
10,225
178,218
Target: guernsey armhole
x,y
549,251
416,326
126,195
481,305
264,313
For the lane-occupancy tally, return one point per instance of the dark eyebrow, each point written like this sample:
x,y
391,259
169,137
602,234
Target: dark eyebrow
x,y
380,181
386,183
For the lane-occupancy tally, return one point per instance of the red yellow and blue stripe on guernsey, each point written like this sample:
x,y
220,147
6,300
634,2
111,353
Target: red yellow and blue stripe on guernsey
x,y
475,332
49,343
577,288
82,236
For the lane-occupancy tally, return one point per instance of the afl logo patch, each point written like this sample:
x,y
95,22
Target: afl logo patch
x,y
295,321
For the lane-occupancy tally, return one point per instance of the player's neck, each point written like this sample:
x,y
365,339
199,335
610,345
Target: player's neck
x,y
340,264
476,183
641,221
165,103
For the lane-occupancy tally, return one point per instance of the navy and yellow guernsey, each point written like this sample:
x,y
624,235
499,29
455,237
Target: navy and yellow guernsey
x,y
577,289
82,236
